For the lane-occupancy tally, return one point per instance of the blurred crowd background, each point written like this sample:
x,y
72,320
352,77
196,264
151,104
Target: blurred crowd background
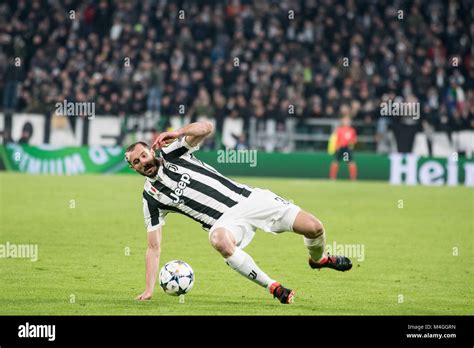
x,y
242,59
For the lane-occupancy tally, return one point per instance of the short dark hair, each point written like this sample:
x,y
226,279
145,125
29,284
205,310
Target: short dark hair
x,y
132,147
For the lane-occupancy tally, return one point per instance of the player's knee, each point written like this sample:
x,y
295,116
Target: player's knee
x,y
316,228
221,241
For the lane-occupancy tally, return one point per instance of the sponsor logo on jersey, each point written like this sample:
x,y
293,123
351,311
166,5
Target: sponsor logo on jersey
x,y
184,181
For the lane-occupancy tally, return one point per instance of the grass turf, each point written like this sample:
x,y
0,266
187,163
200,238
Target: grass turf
x,y
82,251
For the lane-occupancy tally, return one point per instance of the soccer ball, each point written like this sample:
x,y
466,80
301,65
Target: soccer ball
x,y
176,278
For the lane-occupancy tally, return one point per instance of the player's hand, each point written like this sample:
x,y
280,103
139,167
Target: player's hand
x,y
145,296
164,139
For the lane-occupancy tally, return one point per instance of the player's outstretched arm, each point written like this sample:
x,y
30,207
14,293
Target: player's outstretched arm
x,y
152,263
194,133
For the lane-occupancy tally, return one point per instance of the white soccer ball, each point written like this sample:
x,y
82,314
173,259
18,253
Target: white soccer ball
x,y
176,278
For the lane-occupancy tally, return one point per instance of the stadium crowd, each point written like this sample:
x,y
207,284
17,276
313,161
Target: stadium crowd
x,y
240,58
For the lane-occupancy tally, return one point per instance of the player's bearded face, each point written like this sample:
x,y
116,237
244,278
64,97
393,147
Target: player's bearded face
x,y
145,163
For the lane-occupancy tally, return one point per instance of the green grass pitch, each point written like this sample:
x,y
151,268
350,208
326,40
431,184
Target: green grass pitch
x,y
82,251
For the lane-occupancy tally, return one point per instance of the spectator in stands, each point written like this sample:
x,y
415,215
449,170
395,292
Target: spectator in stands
x,y
26,133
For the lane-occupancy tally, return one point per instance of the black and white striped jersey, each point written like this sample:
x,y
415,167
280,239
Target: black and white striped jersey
x,y
190,187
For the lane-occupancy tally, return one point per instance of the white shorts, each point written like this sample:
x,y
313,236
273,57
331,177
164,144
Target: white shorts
x,y
263,209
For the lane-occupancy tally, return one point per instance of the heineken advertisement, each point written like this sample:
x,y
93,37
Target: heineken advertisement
x,y
412,170
398,169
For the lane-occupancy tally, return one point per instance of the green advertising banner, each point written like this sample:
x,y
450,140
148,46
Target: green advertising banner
x,y
296,164
397,168
408,169
57,160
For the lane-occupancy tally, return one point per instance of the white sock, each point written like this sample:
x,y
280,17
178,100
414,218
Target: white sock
x,y
243,263
316,247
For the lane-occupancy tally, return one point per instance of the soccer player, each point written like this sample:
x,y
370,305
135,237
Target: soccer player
x,y
177,182
346,137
